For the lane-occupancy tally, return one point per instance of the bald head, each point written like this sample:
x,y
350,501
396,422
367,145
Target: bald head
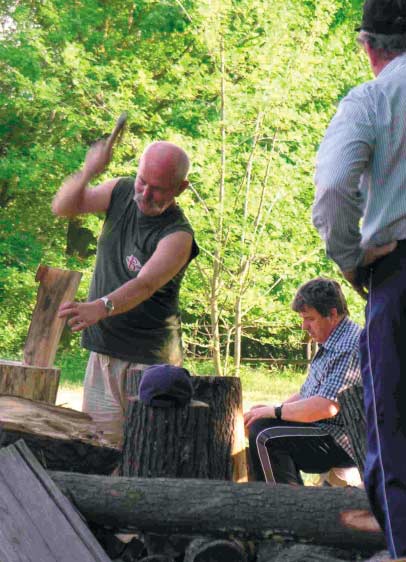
x,y
169,157
161,177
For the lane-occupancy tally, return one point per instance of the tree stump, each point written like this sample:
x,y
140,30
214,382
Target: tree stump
x,y
27,381
60,438
227,454
204,549
351,400
227,457
171,442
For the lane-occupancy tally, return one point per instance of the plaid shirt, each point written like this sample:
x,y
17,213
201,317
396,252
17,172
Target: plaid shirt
x,y
335,366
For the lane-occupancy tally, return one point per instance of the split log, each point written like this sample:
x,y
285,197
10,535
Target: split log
x,y
351,400
218,508
56,286
60,438
36,378
203,549
37,523
227,457
170,442
35,383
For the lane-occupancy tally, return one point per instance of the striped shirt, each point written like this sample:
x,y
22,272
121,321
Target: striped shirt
x,y
335,366
361,169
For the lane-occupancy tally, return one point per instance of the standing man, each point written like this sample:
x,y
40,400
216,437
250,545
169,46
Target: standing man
x,y
131,318
306,432
361,174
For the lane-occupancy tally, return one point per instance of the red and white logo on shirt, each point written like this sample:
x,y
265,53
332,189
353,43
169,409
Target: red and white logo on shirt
x,y
133,263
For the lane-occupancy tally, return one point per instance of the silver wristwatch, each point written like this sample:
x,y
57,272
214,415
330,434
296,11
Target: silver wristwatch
x,y
108,305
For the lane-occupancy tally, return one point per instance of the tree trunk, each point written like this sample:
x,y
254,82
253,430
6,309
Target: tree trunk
x,y
171,442
203,549
351,401
270,551
221,509
60,438
226,454
35,383
56,287
227,458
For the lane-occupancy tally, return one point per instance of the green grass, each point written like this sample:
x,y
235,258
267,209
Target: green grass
x,y
260,383
73,367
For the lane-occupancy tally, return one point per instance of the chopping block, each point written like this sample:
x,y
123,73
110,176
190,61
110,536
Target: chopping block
x,y
35,377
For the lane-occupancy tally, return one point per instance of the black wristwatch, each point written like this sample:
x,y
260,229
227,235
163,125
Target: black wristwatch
x,y
278,412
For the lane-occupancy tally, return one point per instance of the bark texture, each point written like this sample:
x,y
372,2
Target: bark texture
x,y
220,509
60,438
56,287
351,402
226,454
227,458
35,383
166,442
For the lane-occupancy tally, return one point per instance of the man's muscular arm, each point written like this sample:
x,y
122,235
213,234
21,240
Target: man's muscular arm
x,y
75,197
170,256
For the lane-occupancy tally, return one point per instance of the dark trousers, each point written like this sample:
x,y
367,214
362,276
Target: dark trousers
x,y
383,362
280,450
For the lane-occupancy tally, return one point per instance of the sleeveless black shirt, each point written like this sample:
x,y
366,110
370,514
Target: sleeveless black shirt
x,y
151,332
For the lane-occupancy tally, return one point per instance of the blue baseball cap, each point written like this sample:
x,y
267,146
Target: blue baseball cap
x,y
165,385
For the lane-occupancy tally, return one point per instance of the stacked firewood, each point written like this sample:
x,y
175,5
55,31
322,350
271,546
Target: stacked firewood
x,y
182,494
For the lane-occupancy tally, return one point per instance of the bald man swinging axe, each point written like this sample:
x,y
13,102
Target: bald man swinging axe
x,y
131,319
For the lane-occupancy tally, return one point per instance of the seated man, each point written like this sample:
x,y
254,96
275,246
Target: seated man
x,y
306,431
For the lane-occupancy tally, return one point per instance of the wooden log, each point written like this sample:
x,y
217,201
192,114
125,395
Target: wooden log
x,y
203,549
351,400
37,523
171,442
218,508
60,438
172,545
56,286
34,383
227,456
157,558
269,552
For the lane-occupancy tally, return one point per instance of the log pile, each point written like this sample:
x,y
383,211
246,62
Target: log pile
x,y
188,509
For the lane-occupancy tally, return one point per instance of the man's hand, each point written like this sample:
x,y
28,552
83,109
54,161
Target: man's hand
x,y
354,280
258,412
82,314
370,256
97,159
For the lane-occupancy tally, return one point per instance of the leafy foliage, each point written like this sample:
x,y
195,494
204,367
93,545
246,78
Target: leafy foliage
x,y
67,70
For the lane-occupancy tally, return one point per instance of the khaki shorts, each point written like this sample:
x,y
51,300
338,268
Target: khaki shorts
x,y
105,395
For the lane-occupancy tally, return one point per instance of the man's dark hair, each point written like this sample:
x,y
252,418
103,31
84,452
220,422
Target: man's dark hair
x,y
323,295
386,17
